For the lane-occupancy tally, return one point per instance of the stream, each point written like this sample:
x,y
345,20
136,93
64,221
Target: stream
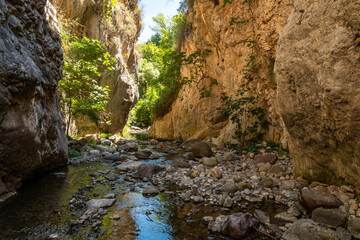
x,y
50,206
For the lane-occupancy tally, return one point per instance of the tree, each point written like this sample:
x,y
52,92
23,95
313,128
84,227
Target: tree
x,y
80,91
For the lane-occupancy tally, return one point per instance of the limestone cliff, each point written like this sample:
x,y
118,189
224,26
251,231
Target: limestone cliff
x,y
117,26
259,21
318,73
31,123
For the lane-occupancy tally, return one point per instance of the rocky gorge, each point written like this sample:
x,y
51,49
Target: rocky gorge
x,y
190,179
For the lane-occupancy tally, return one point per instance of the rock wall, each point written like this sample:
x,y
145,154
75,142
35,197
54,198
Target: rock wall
x,y
117,27
31,124
318,73
192,117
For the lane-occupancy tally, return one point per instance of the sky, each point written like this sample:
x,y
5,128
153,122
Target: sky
x,y
151,8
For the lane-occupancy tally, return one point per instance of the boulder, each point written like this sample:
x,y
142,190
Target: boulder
x,y
306,229
131,166
239,225
180,164
150,191
265,158
217,225
229,187
143,154
115,157
131,147
311,199
209,162
147,170
198,147
330,217
353,226
95,204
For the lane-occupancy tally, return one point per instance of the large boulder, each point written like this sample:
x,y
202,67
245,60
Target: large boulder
x,y
313,199
306,229
330,217
147,170
198,147
31,123
317,70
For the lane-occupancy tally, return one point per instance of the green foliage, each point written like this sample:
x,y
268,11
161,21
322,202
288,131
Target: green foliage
x,y
160,77
85,62
72,153
244,113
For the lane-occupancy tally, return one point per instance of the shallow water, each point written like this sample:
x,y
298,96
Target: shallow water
x,y
41,209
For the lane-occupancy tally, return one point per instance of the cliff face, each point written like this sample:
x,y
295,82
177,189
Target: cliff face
x,y
192,117
318,72
117,27
31,123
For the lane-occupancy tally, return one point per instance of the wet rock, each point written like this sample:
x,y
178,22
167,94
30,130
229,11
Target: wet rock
x,y
143,154
275,169
207,219
330,217
239,224
189,155
353,226
131,147
150,191
198,147
111,176
180,164
217,225
154,156
229,187
306,229
216,172
147,170
312,199
95,204
265,158
115,157
210,162
129,166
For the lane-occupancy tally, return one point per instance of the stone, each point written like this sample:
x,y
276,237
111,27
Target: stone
x,y
285,217
147,170
321,148
275,169
94,137
288,184
150,191
312,199
294,211
154,156
194,174
330,217
95,153
263,218
229,187
265,158
131,147
242,186
131,166
207,219
306,229
110,195
189,155
154,141
227,157
180,164
239,224
105,142
143,154
2,187
210,162
111,176
198,147
228,202
216,172
353,226
217,225
266,182
115,157
198,199
95,204
103,148
32,126
264,167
